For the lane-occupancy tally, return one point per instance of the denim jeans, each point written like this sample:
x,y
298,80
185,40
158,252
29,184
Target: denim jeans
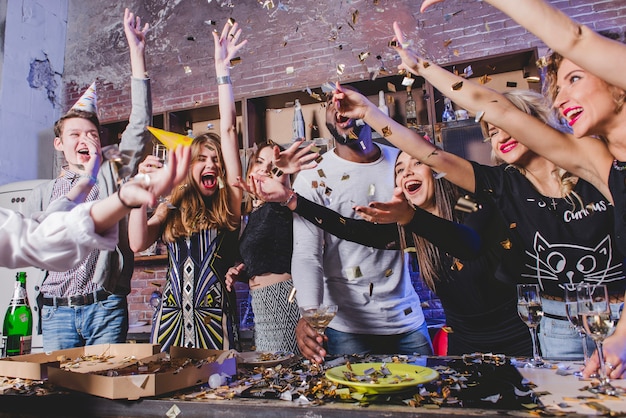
x,y
413,342
76,326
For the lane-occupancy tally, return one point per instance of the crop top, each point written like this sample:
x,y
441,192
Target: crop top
x,y
267,240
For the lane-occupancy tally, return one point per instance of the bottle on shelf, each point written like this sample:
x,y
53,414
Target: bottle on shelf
x,y
381,103
410,109
18,321
298,121
448,111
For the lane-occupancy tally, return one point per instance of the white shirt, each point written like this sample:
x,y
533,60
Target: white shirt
x,y
55,240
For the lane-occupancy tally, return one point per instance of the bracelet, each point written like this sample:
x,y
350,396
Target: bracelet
x,y
91,178
223,79
126,205
289,199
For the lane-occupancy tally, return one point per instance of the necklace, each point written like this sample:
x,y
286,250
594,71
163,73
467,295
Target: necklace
x,y
619,166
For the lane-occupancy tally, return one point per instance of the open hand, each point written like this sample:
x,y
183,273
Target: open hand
x,y
294,158
397,210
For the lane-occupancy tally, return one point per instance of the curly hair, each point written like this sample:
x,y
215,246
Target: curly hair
x,y
195,212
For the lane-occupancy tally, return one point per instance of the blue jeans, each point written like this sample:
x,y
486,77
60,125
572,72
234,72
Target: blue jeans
x,y
76,326
413,342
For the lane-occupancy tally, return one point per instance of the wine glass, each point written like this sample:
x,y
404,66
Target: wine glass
x,y
571,311
160,151
595,309
318,316
530,311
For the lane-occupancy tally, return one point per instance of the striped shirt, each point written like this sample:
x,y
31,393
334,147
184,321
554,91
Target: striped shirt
x,y
78,280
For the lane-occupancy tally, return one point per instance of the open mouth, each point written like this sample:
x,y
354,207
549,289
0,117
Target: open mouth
x,y
209,180
509,146
84,151
342,121
572,114
412,186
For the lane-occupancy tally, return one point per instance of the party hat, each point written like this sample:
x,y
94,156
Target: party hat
x,y
170,139
88,102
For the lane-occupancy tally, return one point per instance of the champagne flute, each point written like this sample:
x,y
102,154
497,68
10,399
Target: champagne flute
x,y
318,316
571,311
598,322
530,311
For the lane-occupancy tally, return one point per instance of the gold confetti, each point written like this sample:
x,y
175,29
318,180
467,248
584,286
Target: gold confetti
x,y
513,226
458,266
479,116
292,295
149,272
447,42
542,62
393,44
314,184
342,220
457,86
345,176
425,64
284,44
235,61
456,52
388,272
352,135
320,173
371,289
187,69
401,71
220,183
466,204
386,131
353,273
341,68
484,79
506,244
319,159
315,148
363,56
322,184
371,190
328,191
355,17
316,96
407,81
289,70
391,87
487,28
318,220
231,21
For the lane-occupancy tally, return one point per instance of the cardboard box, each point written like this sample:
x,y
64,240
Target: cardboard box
x,y
35,366
143,385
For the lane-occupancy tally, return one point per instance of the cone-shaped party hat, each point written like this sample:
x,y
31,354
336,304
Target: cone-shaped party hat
x,y
88,102
170,139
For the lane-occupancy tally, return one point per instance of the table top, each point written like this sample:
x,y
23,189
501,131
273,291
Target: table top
x,y
559,392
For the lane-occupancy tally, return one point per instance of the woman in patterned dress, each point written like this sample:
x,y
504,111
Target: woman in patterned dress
x,y
201,231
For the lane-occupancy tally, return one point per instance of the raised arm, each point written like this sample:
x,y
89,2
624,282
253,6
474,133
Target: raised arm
x,y
576,42
227,46
586,157
356,106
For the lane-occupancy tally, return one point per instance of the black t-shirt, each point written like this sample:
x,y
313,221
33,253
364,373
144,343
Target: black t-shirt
x,y
553,242
617,186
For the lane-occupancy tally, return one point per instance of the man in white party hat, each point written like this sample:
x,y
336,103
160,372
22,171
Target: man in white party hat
x,y
87,305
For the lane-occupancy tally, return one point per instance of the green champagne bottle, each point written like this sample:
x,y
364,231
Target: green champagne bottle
x,y
18,321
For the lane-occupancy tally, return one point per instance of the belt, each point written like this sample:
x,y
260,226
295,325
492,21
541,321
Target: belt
x,y
557,317
77,300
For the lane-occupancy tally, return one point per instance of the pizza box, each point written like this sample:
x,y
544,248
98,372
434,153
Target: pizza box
x,y
35,366
149,376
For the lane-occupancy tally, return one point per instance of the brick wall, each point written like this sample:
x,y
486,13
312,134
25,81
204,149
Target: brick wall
x,y
312,36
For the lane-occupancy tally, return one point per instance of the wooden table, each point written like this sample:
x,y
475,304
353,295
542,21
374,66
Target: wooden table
x,y
559,390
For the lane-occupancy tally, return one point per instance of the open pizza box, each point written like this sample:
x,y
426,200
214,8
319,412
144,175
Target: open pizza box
x,y
146,376
35,366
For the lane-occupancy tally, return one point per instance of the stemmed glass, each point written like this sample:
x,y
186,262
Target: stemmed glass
x,y
160,151
530,311
318,316
571,311
595,309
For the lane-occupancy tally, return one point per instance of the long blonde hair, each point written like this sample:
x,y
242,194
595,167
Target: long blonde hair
x,y
193,211
536,104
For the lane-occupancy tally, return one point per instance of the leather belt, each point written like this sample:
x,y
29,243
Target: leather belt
x,y
77,300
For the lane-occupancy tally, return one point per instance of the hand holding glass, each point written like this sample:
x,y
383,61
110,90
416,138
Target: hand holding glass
x,y
318,316
160,151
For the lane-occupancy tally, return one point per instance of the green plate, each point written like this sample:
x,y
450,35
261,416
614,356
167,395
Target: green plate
x,y
403,376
